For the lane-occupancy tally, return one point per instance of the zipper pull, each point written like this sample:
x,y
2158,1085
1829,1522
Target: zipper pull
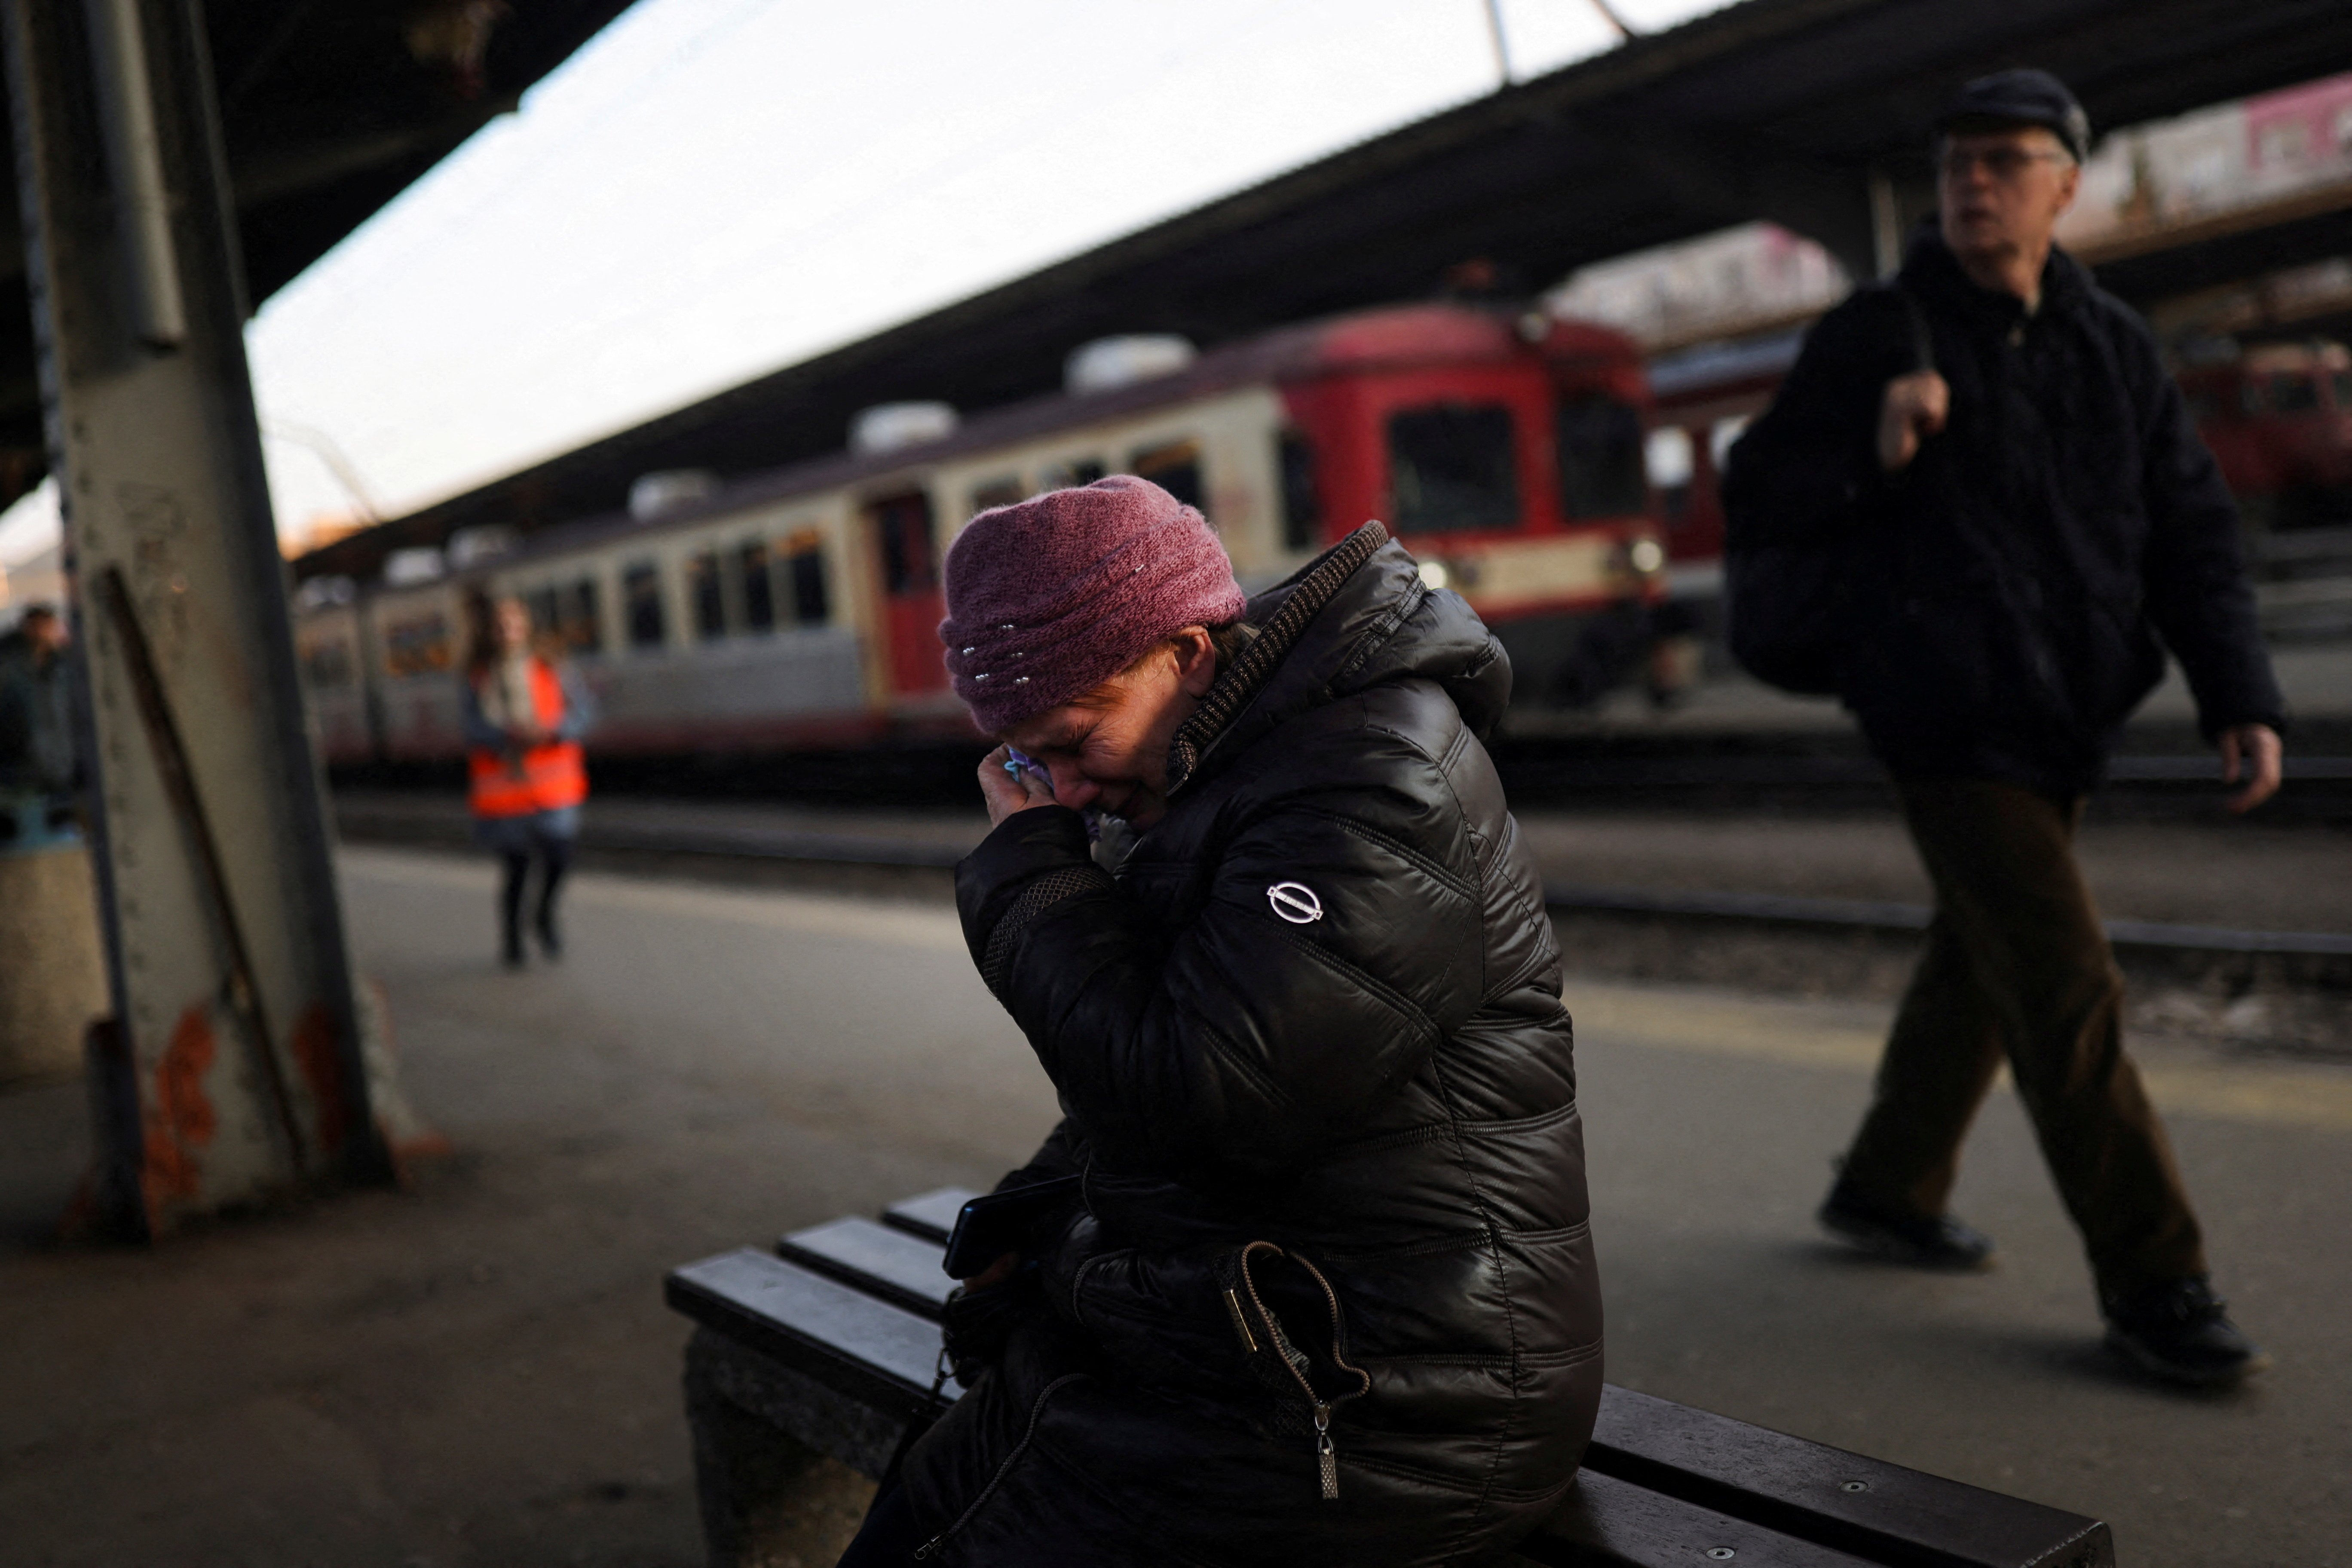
x,y
1327,1456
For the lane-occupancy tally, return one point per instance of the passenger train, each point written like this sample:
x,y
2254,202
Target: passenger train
x,y
799,608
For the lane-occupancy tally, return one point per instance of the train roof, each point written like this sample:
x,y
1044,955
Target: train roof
x,y
1404,338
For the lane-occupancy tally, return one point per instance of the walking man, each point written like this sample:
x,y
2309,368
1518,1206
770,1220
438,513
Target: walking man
x,y
2023,519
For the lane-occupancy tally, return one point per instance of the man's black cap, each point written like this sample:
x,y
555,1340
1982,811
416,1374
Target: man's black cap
x,y
2021,97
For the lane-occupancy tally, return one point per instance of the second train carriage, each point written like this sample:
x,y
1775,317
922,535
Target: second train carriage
x,y
800,607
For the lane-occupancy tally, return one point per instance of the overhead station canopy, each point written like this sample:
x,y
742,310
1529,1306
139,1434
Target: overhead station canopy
x,y
328,112
1787,110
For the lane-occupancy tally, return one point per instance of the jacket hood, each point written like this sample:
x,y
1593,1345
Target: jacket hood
x,y
1354,618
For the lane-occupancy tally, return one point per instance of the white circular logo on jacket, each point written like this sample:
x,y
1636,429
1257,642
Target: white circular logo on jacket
x,y
1296,902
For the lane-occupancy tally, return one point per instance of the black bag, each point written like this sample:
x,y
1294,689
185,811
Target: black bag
x,y
1785,605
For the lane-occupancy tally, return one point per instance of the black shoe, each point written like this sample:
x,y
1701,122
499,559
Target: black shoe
x,y
2180,1332
1922,1241
511,954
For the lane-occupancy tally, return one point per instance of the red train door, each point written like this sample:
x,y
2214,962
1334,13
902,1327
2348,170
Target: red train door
x,y
911,600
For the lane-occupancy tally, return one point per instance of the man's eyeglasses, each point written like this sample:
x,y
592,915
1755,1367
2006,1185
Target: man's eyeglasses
x,y
2002,164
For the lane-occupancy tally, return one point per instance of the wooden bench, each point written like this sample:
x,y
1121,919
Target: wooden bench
x,y
830,1344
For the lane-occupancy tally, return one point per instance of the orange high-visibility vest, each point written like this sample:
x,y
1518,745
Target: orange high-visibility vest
x,y
546,777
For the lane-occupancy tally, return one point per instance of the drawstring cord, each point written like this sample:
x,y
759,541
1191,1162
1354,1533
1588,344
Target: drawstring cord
x,y
1036,1413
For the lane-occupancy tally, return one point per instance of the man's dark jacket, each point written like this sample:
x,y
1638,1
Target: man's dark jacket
x,y
2012,591
1383,1089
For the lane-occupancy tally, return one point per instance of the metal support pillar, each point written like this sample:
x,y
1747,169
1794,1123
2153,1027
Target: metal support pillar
x,y
234,1072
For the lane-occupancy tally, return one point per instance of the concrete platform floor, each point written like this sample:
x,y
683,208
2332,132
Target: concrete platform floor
x,y
480,1370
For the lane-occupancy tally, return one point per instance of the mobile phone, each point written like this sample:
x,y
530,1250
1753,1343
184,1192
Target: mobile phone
x,y
988,1227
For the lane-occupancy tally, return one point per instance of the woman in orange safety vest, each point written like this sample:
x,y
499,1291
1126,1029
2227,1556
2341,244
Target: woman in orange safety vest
x,y
525,713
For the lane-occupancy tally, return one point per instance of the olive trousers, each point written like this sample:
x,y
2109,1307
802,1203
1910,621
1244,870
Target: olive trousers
x,y
2017,967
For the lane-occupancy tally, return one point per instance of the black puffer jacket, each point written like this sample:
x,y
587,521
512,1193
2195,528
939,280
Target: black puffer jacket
x,y
2014,590
1382,1091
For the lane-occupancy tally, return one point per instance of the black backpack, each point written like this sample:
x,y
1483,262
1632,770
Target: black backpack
x,y
1785,606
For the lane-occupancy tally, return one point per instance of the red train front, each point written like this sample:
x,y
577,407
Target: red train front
x,y
1509,457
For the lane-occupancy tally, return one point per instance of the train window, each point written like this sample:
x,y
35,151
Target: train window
x,y
542,611
812,605
1601,461
904,524
584,617
1076,471
997,492
706,593
326,665
641,604
1451,467
2291,392
419,646
1302,505
1669,456
758,586
1176,468
2341,383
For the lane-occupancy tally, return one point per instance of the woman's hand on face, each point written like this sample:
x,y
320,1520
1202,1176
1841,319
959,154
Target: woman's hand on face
x,y
1009,790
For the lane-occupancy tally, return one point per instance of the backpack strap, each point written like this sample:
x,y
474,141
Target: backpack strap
x,y
1914,316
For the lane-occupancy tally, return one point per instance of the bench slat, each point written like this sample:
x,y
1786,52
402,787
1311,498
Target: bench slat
x,y
1610,1523
880,1259
930,1216
1656,1471
865,1348
1868,1506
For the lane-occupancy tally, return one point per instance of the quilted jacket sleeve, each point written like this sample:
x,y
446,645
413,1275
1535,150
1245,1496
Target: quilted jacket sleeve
x,y
1807,470
1248,1040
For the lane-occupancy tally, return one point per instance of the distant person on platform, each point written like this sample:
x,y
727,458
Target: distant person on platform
x,y
525,709
36,745
2026,521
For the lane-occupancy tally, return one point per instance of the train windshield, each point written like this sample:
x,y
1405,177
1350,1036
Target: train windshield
x,y
1602,467
2288,392
1451,467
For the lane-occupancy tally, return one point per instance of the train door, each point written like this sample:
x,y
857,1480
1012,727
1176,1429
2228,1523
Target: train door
x,y
906,548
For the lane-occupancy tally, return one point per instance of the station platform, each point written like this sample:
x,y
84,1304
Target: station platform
x,y
480,1371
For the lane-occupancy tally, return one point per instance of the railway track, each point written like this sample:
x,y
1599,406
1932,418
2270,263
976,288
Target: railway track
x,y
2322,957
1787,774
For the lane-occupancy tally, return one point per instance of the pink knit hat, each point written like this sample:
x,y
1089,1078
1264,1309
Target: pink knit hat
x,y
1049,597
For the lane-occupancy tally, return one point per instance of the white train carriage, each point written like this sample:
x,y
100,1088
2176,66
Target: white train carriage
x,y
799,608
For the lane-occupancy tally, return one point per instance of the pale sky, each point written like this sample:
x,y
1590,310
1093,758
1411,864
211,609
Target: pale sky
x,y
712,189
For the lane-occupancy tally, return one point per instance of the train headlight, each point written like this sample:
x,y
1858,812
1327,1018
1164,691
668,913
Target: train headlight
x,y
1646,557
1434,574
